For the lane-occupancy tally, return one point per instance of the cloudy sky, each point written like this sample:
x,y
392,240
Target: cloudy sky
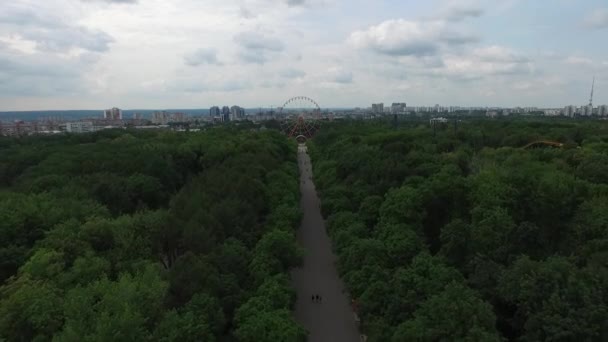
x,y
91,54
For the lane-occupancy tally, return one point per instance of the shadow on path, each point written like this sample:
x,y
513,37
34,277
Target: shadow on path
x,y
332,320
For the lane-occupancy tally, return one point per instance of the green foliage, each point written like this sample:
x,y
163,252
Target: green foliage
x,y
465,236
147,236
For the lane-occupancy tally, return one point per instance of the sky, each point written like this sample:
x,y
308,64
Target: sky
x,y
93,54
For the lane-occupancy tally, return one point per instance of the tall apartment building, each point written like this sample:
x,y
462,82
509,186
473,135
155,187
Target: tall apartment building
x,y
160,118
398,108
225,113
214,111
112,114
378,108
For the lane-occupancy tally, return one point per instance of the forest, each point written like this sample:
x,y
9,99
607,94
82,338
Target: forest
x,y
459,234
149,236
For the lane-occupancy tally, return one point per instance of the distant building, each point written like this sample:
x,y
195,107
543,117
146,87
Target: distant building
x,y
569,111
79,127
588,110
112,114
602,110
214,111
398,108
225,113
378,108
237,113
17,128
438,120
138,116
160,118
179,117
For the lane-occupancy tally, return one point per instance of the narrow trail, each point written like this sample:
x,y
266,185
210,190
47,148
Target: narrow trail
x,y
332,320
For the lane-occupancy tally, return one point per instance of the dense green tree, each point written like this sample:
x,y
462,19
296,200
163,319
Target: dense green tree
x,y
454,314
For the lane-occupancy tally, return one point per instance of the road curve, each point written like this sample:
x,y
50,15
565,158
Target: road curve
x,y
332,320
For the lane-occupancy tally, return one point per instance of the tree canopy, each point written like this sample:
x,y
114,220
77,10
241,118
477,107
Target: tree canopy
x,y
462,235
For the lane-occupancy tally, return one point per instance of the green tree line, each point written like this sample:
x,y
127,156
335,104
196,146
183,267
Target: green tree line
x,y
462,235
148,236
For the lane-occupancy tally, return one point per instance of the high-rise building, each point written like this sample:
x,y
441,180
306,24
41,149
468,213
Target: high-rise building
x,y
138,116
225,113
378,108
234,113
588,110
398,108
112,114
178,117
569,111
214,111
602,110
160,118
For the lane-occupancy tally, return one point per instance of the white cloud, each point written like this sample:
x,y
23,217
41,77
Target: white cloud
x,y
461,12
189,53
257,48
202,56
292,73
400,37
577,60
598,19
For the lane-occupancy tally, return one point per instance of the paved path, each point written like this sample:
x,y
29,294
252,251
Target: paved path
x,y
332,320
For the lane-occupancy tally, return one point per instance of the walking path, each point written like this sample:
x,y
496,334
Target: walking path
x,y
331,320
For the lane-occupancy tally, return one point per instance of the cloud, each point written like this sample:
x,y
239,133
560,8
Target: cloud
x,y
482,62
113,1
598,19
246,13
339,75
257,41
202,56
459,13
292,73
455,37
51,33
40,75
498,54
198,85
257,48
577,60
400,37
292,3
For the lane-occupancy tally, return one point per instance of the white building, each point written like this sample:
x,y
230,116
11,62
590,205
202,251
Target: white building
x,y
161,118
235,113
569,111
398,108
79,127
112,114
378,108
588,110
602,110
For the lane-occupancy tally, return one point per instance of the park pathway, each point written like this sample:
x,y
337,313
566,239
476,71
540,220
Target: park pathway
x,y
332,320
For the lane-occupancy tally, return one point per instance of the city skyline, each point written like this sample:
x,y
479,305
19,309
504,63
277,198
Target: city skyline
x,y
187,54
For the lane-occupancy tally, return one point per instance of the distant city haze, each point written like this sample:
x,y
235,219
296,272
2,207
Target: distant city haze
x,y
88,54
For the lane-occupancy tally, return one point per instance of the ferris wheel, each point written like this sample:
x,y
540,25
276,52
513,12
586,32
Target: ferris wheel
x,y
299,117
